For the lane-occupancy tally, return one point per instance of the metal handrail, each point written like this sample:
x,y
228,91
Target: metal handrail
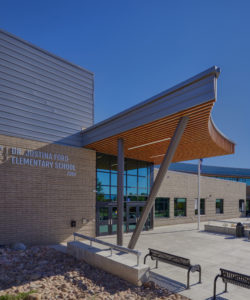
x,y
112,246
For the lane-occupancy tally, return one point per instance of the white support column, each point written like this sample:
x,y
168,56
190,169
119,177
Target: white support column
x,y
159,178
120,198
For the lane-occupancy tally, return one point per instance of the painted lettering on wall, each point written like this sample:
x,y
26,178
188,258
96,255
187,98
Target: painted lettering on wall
x,y
35,158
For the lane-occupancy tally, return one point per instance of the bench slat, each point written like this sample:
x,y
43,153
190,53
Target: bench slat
x,y
170,258
235,278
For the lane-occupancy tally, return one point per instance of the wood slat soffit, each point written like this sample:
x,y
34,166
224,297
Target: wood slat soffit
x,y
148,127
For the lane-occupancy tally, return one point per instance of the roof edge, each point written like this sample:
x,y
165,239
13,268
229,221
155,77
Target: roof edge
x,y
45,51
214,70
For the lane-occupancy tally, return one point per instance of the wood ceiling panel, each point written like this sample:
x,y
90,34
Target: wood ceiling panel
x,y
200,139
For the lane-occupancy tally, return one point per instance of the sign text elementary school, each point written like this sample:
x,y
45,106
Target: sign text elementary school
x,y
42,159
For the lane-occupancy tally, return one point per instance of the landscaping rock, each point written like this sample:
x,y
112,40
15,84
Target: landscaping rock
x,y
55,275
19,247
34,296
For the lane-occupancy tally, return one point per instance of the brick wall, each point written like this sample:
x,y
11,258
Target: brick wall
x,y
42,191
182,185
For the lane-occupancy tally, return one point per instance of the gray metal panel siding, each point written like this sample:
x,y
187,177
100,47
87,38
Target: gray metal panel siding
x,y
189,96
42,97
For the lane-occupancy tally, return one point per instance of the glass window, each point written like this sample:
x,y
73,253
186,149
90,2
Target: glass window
x,y
131,198
180,207
103,213
113,164
103,189
162,207
113,179
131,191
142,192
142,182
102,162
241,205
142,168
219,206
113,198
202,206
103,178
103,198
132,181
247,207
100,197
113,190
248,181
131,167
134,184
142,198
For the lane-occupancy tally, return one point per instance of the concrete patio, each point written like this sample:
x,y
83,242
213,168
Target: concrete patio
x,y
211,251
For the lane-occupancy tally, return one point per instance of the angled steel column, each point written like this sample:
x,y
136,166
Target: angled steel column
x,y
120,180
158,180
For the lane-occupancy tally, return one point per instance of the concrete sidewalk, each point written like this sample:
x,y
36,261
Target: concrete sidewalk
x,y
211,251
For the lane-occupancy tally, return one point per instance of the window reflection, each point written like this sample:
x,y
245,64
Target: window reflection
x,y
202,207
136,178
219,206
103,189
113,179
142,182
142,191
113,190
180,207
103,178
131,191
131,167
162,207
132,181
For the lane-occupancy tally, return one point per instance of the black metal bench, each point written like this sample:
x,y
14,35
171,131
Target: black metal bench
x,y
232,277
174,260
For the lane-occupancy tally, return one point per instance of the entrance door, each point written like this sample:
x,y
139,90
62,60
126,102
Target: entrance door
x,y
133,212
106,217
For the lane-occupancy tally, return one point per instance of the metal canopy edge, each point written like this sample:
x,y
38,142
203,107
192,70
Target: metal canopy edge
x,y
192,92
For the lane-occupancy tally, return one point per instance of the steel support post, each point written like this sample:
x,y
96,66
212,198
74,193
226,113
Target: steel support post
x,y
120,199
159,178
199,194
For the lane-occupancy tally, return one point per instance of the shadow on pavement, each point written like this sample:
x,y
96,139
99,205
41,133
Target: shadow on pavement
x,y
218,297
165,282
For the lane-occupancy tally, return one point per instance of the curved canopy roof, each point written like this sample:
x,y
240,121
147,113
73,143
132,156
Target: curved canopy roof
x,y
147,128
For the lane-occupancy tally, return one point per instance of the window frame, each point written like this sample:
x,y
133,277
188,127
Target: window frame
x,y
196,210
241,209
176,202
221,206
167,208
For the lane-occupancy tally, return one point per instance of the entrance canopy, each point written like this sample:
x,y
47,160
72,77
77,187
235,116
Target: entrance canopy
x,y
148,127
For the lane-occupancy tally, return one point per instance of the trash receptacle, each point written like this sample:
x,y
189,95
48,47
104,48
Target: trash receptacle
x,y
239,230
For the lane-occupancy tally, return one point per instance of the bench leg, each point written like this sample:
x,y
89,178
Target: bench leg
x,y
156,264
214,298
199,274
188,276
225,287
145,258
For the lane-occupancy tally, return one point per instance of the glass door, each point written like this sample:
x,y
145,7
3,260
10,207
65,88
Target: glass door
x,y
106,218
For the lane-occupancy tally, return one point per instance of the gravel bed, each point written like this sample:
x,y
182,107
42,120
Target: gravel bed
x,y
55,275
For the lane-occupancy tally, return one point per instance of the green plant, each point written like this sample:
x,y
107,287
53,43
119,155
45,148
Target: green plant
x,y
19,296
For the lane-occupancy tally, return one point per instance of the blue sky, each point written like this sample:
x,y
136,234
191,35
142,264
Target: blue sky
x,y
137,48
